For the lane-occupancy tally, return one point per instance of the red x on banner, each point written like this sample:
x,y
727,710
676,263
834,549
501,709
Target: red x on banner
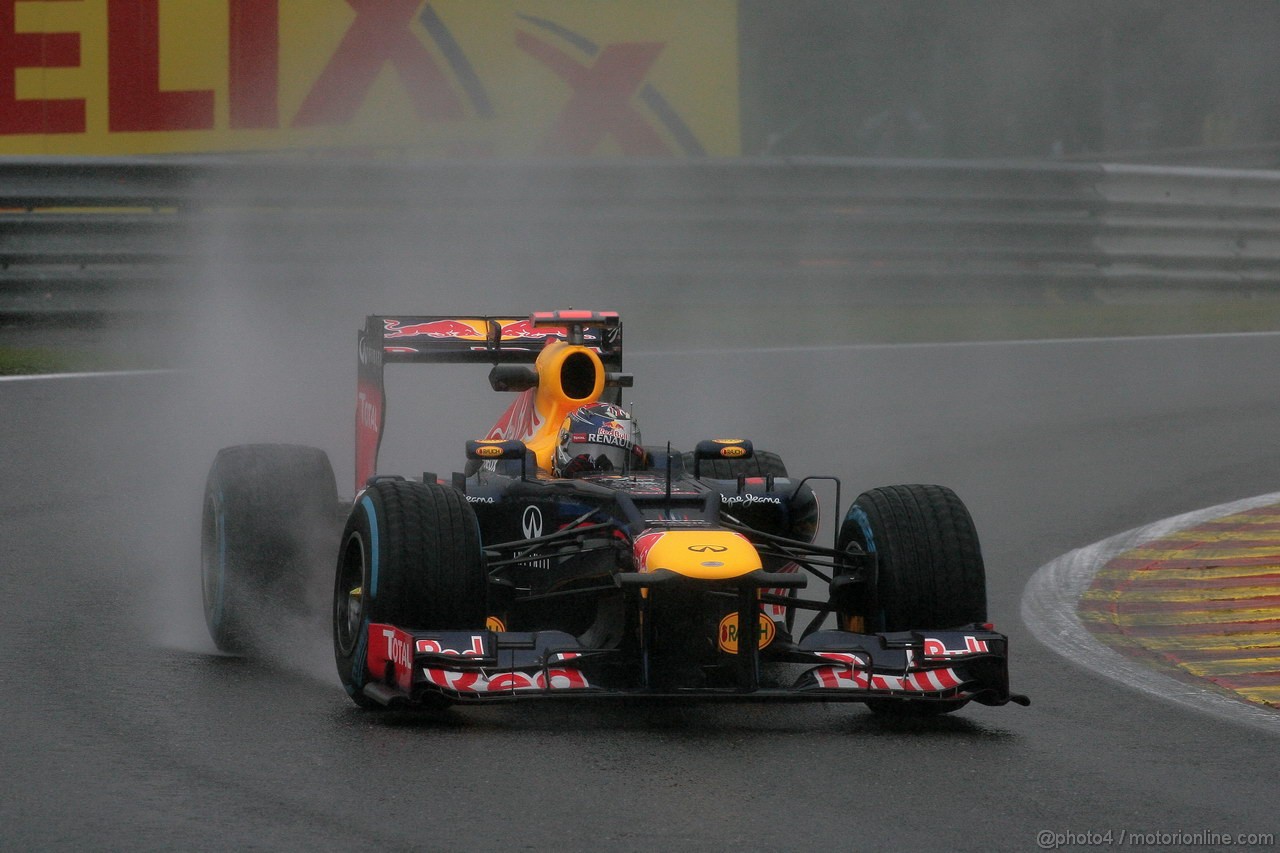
x,y
601,103
380,35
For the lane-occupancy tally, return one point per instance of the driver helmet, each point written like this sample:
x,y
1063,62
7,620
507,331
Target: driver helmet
x,y
597,438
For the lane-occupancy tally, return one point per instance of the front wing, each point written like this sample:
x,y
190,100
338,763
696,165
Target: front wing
x,y
482,666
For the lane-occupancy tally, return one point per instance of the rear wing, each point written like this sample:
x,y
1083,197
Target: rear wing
x,y
496,340
462,339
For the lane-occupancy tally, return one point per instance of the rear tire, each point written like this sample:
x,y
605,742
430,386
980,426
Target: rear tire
x,y
410,557
930,572
763,463
269,512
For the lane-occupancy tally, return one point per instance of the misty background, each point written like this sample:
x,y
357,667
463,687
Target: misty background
x,y
1161,81
270,311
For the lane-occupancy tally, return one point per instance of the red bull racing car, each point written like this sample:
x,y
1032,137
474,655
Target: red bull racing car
x,y
570,560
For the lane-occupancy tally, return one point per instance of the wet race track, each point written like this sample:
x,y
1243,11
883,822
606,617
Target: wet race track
x,y
125,731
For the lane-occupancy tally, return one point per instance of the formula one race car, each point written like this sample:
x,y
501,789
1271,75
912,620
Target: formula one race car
x,y
569,560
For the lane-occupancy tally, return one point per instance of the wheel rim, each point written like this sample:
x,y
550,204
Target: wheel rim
x,y
349,598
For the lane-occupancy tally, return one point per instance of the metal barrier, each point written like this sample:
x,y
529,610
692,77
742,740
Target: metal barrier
x,y
79,237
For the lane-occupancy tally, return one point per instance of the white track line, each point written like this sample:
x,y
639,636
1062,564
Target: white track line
x,y
113,374
1049,610
985,344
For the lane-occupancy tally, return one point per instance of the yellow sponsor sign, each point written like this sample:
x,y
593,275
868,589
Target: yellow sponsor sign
x,y
437,77
727,634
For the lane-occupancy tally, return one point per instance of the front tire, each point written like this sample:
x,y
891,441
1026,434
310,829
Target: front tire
x,y
930,571
930,568
410,557
269,510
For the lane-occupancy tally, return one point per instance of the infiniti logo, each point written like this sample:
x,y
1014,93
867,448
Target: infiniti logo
x,y
714,549
531,522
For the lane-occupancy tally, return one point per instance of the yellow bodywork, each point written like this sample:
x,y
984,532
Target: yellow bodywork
x,y
536,415
702,554
552,401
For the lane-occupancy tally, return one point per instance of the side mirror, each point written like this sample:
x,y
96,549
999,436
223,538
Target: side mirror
x,y
721,448
493,449
496,449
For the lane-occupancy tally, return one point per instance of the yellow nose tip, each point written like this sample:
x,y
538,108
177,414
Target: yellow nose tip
x,y
703,554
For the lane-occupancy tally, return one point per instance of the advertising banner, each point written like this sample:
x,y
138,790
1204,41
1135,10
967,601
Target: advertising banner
x,y
463,78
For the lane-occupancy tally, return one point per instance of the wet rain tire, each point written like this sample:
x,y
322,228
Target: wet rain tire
x,y
930,568
410,557
763,463
268,518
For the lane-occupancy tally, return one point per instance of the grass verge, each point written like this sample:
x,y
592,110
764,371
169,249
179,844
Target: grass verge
x,y
799,325
28,360
15,361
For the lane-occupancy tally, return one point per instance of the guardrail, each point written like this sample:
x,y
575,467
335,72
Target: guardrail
x,y
79,237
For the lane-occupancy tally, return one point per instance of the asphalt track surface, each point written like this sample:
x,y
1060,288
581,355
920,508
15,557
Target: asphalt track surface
x,y
124,731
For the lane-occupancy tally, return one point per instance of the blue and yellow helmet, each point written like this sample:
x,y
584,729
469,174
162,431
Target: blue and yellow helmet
x,y
598,438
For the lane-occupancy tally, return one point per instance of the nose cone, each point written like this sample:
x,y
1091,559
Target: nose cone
x,y
702,554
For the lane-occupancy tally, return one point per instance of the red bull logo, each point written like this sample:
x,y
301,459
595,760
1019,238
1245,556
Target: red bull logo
x,y
433,329
523,329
